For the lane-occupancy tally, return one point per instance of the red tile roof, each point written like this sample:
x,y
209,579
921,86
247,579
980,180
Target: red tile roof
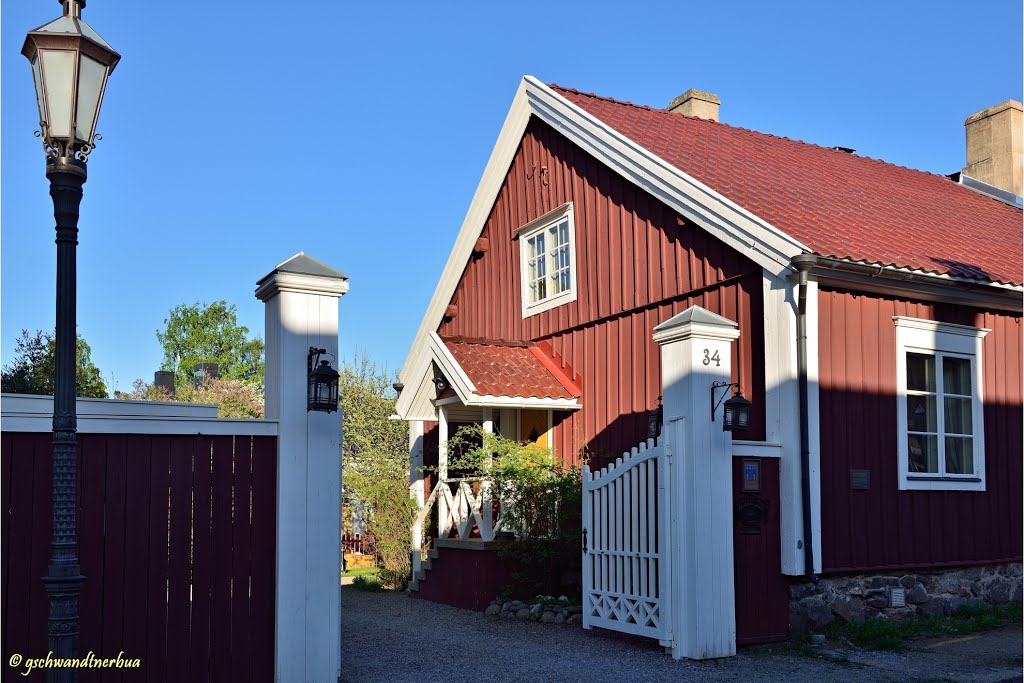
x,y
513,368
838,204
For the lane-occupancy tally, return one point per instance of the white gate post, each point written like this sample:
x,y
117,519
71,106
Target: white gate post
x,y
696,351
301,302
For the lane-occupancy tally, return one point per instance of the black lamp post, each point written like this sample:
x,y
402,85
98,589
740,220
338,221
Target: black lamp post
x,y
70,66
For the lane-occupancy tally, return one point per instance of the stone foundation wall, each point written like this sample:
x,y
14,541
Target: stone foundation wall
x,y
863,596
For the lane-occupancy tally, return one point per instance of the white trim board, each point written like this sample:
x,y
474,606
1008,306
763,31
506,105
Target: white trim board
x,y
34,414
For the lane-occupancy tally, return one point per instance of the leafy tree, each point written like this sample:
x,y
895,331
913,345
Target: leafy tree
x,y
375,461
232,397
210,334
34,367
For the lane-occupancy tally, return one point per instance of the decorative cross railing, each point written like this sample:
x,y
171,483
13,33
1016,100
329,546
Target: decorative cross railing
x,y
461,510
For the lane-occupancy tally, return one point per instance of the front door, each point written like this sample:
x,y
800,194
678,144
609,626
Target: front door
x,y
762,592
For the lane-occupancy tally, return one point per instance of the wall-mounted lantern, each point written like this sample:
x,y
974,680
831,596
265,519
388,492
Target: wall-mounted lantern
x,y
322,392
655,420
440,384
735,412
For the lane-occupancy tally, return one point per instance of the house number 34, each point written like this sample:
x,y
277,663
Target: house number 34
x,y
712,357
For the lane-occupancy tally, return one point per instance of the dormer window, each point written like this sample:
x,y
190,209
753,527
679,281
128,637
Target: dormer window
x,y
547,257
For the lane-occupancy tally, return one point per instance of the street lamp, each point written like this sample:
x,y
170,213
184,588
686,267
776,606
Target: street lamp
x,y
70,67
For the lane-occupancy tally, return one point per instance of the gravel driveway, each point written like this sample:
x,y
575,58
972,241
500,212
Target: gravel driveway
x,y
392,638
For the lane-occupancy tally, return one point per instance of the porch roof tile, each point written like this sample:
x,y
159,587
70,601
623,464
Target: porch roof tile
x,y
525,369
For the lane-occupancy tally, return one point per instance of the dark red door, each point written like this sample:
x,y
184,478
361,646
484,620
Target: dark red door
x,y
762,601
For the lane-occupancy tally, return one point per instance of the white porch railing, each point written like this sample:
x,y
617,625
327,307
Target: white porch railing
x,y
461,510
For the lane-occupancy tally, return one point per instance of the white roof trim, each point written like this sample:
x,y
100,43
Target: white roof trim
x,y
461,383
488,401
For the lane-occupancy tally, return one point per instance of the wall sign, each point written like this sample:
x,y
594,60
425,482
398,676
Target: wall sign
x,y
751,475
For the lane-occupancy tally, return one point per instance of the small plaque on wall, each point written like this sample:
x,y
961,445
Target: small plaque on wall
x,y
860,480
751,475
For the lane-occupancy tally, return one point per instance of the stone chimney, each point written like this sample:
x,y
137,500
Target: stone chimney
x,y
994,151
693,102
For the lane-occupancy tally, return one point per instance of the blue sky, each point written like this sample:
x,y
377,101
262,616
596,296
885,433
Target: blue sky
x,y
237,134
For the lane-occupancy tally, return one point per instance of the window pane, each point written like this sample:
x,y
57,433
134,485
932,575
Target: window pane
x,y
533,292
959,455
563,232
542,290
921,414
540,243
565,280
956,376
923,453
958,415
920,372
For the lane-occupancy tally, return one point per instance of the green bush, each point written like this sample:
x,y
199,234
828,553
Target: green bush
x,y
540,503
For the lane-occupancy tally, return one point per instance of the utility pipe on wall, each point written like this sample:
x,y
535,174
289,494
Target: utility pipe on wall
x,y
803,263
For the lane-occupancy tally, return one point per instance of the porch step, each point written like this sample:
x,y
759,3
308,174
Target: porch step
x,y
425,565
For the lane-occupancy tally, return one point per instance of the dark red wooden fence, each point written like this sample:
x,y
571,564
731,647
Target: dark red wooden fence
x,y
177,544
359,544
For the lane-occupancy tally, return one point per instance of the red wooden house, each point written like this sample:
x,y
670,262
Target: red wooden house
x,y
879,311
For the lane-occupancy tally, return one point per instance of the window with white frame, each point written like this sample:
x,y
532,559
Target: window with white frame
x,y
940,417
547,257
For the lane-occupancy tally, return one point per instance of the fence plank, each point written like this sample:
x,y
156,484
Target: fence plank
x,y
113,577
154,663
138,450
179,567
202,561
6,460
222,555
92,461
18,593
264,532
241,528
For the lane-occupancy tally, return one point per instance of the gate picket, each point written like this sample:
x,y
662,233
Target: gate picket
x,y
625,507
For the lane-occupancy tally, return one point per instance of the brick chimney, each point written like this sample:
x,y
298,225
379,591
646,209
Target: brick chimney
x,y
693,102
994,151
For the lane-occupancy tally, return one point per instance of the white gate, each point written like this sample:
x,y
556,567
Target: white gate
x,y
626,558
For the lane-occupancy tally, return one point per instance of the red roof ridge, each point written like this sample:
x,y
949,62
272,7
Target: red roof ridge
x,y
750,131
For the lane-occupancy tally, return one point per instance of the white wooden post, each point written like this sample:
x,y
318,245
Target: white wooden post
x,y
696,351
442,469
301,299
416,489
486,503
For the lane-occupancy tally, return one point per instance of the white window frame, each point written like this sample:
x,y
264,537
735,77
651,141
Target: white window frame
x,y
914,335
534,227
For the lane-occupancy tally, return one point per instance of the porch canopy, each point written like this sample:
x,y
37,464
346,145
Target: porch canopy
x,y
471,374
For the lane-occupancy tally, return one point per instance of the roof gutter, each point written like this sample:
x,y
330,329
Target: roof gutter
x,y
896,281
803,264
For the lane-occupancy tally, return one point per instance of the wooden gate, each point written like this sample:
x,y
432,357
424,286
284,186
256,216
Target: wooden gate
x,y
626,558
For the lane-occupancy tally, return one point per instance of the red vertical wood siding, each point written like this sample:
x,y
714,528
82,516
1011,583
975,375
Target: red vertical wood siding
x,y
160,518
638,263
884,527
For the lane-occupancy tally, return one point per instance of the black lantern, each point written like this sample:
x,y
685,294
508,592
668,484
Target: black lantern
x,y
322,393
735,412
655,420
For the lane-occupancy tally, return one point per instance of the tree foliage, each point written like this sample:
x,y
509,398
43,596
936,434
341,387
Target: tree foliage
x,y
375,463
34,367
232,397
210,333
